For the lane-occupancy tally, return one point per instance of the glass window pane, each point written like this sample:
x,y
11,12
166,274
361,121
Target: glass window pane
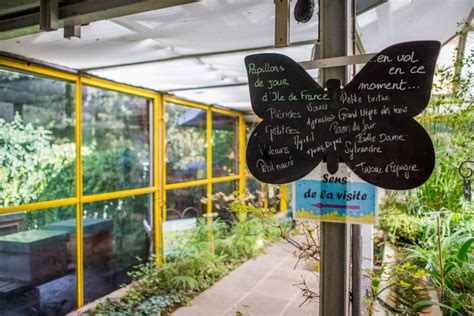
x,y
183,208
116,141
37,151
290,197
38,262
185,143
221,203
256,189
185,203
227,187
114,237
224,145
273,195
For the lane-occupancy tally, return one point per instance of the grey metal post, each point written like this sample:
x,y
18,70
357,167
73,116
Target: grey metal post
x,y
334,277
356,270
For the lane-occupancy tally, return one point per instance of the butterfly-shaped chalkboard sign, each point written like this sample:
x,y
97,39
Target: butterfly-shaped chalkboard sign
x,y
369,123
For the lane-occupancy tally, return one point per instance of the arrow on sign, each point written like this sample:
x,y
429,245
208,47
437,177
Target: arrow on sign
x,y
320,205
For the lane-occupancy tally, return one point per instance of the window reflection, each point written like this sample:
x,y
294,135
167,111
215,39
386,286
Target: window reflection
x,y
224,194
184,207
37,262
257,191
227,187
113,239
37,131
273,195
185,203
116,141
224,145
185,143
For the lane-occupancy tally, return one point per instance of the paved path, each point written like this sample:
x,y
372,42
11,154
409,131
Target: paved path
x,y
263,286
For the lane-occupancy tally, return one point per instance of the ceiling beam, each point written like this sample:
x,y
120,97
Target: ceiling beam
x,y
78,13
13,6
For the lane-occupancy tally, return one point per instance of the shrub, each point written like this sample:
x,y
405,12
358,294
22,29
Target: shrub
x,y
403,228
29,163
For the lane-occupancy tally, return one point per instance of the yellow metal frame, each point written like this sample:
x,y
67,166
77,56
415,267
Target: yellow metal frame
x,y
158,187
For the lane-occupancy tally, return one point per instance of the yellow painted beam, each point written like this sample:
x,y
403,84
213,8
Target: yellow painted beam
x,y
119,87
242,144
79,239
163,156
117,194
36,69
171,99
156,136
224,179
209,168
283,198
39,205
265,196
182,185
225,111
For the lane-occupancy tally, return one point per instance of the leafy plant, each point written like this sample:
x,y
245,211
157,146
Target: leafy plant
x,y
401,228
450,268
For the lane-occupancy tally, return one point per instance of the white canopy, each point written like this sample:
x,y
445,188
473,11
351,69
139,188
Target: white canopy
x,y
196,51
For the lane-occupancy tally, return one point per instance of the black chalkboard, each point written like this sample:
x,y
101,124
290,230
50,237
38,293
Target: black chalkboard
x,y
369,123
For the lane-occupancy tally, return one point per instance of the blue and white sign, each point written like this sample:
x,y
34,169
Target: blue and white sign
x,y
340,197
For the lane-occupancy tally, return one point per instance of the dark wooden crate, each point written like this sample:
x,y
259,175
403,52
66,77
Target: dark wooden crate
x,y
33,256
97,239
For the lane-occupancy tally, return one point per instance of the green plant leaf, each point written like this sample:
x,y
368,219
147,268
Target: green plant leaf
x,y
425,304
463,250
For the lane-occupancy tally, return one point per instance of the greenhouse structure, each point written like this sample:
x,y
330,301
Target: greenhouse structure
x,y
128,178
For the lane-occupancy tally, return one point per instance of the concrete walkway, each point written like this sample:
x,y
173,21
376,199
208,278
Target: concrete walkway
x,y
263,286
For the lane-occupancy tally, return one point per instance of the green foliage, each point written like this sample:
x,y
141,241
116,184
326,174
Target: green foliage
x,y
451,267
184,144
196,266
444,190
224,150
403,228
407,289
29,162
159,303
444,253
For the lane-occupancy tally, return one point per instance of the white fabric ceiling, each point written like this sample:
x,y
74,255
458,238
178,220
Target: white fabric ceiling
x,y
212,26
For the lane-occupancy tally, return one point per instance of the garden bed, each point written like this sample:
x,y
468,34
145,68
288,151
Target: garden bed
x,y
192,268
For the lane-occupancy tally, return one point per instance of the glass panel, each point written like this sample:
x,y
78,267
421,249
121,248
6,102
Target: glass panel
x,y
220,204
114,237
185,203
116,141
37,151
183,208
227,187
38,262
273,196
289,196
256,189
224,145
185,143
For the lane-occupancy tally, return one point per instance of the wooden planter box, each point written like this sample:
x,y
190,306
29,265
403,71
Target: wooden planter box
x,y
33,256
97,239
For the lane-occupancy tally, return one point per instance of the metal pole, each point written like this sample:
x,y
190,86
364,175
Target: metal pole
x,y
356,269
334,278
